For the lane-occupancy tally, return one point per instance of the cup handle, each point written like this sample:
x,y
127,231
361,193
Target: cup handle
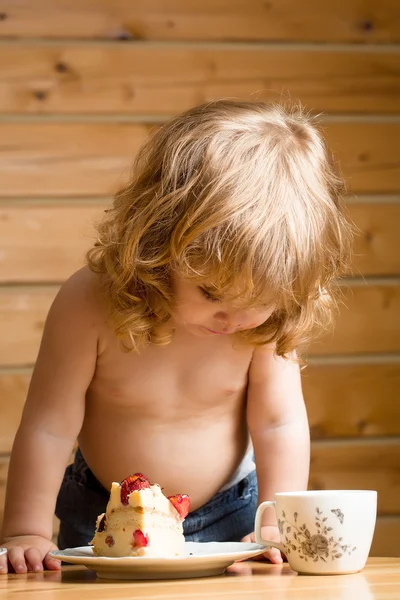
x,y
257,527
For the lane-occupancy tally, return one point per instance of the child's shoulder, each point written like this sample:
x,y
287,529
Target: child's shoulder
x,y
81,292
83,283
266,364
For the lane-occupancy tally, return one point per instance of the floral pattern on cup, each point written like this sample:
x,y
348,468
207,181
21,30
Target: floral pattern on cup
x,y
315,546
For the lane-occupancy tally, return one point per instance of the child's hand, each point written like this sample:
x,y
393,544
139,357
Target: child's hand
x,y
28,553
268,533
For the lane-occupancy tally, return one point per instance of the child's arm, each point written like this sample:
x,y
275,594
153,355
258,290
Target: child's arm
x,y
278,426
52,418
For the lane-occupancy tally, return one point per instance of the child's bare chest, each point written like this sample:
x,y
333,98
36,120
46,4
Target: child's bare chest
x,y
179,379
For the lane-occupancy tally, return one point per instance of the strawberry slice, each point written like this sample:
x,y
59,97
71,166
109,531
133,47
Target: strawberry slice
x,y
140,539
181,503
133,483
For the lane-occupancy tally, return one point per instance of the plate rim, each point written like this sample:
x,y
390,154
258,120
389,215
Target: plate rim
x,y
233,555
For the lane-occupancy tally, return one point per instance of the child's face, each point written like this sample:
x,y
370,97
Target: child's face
x,y
204,314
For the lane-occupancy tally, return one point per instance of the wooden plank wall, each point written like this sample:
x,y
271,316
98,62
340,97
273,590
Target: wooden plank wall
x,y
82,83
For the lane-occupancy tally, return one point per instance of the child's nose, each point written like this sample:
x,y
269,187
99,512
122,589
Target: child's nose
x,y
235,319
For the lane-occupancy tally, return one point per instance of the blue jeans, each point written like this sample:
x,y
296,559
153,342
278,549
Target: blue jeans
x,y
227,517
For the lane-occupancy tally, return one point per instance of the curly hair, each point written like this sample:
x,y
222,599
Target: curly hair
x,y
240,194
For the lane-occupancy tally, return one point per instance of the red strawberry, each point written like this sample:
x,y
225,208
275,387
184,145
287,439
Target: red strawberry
x,y
140,539
182,504
132,483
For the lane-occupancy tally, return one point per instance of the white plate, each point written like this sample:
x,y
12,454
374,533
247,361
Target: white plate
x,y
200,560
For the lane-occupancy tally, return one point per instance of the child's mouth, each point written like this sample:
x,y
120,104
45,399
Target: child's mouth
x,y
216,332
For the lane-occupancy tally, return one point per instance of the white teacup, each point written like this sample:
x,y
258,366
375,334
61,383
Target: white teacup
x,y
327,532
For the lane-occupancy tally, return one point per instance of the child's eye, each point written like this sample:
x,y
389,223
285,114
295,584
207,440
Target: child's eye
x,y
208,295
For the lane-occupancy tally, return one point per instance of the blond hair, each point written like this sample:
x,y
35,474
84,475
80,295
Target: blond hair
x,y
242,195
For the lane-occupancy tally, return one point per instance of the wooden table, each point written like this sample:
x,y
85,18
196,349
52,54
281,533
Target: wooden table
x,y
380,580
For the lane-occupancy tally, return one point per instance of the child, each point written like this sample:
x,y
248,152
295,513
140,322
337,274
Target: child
x,y
173,352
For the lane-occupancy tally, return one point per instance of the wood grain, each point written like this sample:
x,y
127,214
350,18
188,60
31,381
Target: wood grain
x,y
352,400
22,317
377,239
148,79
387,534
355,464
46,242
368,155
339,21
64,159
368,321
379,580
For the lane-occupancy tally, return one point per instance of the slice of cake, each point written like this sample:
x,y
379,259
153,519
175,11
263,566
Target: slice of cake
x,y
141,521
